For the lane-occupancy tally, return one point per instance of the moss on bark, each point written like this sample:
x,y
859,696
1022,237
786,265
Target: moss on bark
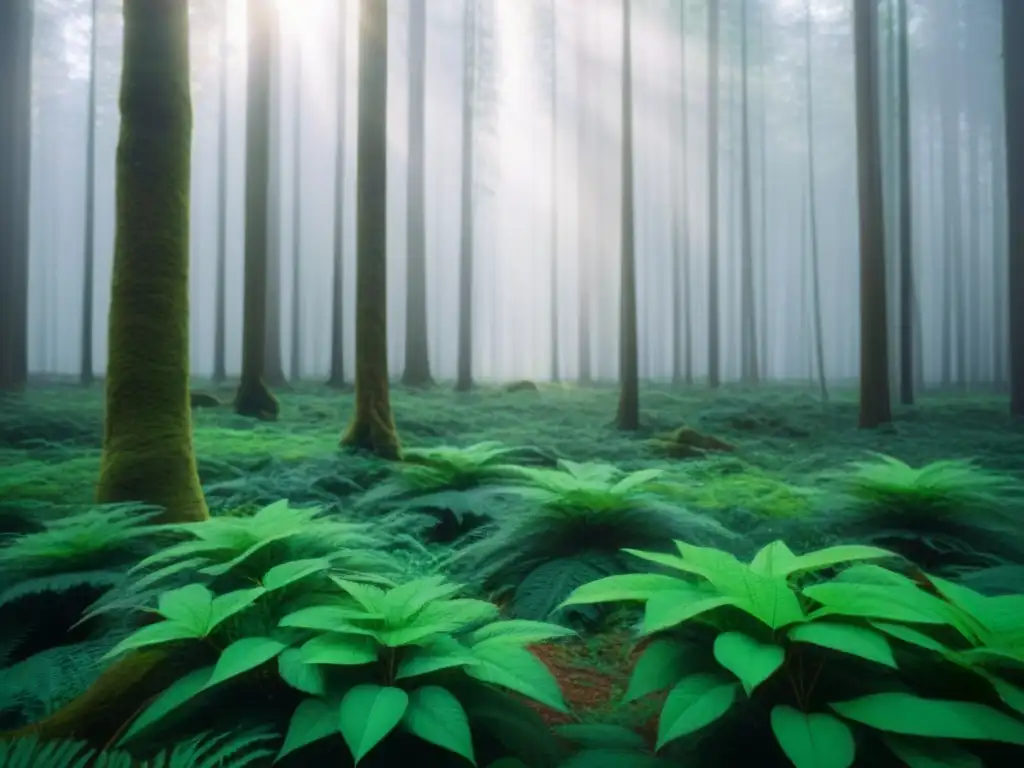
x,y
147,445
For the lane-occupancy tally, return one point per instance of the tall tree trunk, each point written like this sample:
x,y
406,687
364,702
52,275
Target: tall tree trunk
x,y
16,28
628,416
714,353
464,378
295,361
147,437
812,212
372,427
85,374
749,366
337,377
220,302
1000,342
585,252
1013,86
273,363
253,397
764,339
874,363
906,303
555,366
682,326
417,354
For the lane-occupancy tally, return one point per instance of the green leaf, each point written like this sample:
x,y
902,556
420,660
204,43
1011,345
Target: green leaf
x,y
401,603
1012,695
293,669
830,556
624,586
694,702
342,650
519,632
670,609
227,605
242,656
368,713
773,559
190,606
815,740
912,715
445,653
282,575
661,664
911,636
931,753
313,719
846,638
517,670
327,618
888,603
436,716
751,661
155,634
177,693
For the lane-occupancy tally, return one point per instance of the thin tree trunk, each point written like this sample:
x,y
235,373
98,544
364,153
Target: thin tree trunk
x,y
628,416
464,379
295,361
273,363
1013,85
585,251
812,212
337,377
220,302
147,437
907,342
555,366
714,353
749,366
89,271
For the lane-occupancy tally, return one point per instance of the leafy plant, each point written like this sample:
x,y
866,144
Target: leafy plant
x,y
371,660
570,530
206,751
818,657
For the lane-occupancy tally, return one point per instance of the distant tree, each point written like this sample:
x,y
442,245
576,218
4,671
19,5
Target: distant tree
x,y
372,427
337,376
682,312
749,368
714,330
874,358
273,364
417,353
147,438
253,397
628,416
814,267
16,24
584,201
906,251
464,376
89,266
220,301
1013,85
295,357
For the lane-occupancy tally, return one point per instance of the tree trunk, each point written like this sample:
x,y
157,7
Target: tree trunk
x,y
273,364
464,378
907,342
417,353
16,27
147,440
749,367
555,366
812,212
372,427
1013,85
85,374
337,377
253,397
295,361
220,301
714,354
584,208
628,417
874,364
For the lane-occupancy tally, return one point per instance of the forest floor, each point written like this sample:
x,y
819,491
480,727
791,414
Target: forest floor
x,y
775,448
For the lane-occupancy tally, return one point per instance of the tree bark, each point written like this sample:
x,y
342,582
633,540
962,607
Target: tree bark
x,y
1013,85
337,377
147,441
85,374
907,342
464,377
714,353
220,301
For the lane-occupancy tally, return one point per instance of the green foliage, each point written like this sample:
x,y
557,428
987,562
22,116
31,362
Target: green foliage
x,y
823,658
205,751
370,659
725,484
570,528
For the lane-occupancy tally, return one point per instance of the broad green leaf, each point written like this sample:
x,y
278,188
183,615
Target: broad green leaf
x,y
900,604
293,669
911,636
368,713
708,560
635,480
912,715
442,618
402,602
868,573
846,638
445,653
769,599
155,634
931,753
342,650
313,719
367,595
436,716
517,670
1012,695
602,736
283,575
519,632
694,702
661,664
190,606
665,560
773,559
177,693
815,740
327,618
242,656
227,605
830,556
751,661
625,586
219,569
670,609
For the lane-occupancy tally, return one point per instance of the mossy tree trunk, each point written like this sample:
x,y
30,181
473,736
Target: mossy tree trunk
x,y
372,427
337,377
16,17
628,416
253,397
147,443
417,353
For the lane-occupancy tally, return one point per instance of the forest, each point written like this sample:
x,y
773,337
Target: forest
x,y
511,383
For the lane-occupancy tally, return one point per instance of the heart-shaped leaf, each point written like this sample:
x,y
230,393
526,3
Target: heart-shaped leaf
x,y
751,661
